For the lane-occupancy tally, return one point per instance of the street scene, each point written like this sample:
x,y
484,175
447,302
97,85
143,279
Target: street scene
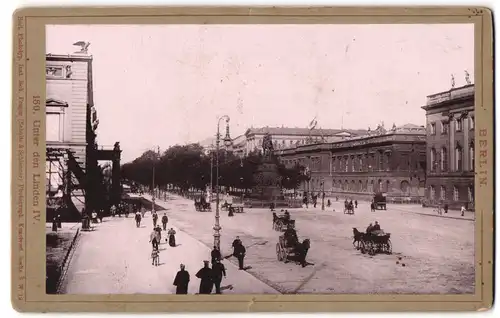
x,y
183,170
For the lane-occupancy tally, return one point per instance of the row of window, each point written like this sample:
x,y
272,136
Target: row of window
x,y
455,194
445,125
360,163
441,159
365,185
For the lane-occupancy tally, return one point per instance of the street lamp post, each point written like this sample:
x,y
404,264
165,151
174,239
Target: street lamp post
x,y
153,182
323,194
227,143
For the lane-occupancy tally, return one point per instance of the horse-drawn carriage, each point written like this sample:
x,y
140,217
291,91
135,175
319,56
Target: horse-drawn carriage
x,y
373,242
348,208
202,205
282,222
290,249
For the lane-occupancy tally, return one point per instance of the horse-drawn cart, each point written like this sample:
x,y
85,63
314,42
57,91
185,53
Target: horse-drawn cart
x,y
202,206
280,223
290,250
376,242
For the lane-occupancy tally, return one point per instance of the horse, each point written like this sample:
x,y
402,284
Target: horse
x,y
300,250
358,237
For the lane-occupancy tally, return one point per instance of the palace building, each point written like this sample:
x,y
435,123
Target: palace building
x,y
389,161
450,147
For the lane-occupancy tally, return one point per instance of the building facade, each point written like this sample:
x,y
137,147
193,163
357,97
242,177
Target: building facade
x,y
390,161
450,147
72,170
286,137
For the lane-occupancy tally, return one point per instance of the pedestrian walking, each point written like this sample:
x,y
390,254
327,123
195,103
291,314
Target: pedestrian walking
x,y
216,255
206,282
239,252
155,255
446,208
153,238
113,210
462,210
171,237
356,204
164,221
158,234
138,218
218,271
181,281
155,218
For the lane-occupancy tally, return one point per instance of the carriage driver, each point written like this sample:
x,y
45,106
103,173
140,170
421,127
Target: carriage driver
x,y
291,235
287,215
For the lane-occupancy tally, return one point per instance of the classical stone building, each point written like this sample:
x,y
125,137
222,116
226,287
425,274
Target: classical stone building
x,y
450,147
390,161
287,137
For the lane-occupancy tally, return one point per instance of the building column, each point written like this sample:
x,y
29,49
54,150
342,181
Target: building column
x,y
465,151
451,147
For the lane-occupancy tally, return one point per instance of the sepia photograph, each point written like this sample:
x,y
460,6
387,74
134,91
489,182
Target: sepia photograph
x,y
260,159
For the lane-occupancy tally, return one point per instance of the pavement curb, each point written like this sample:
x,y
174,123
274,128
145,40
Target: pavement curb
x,y
67,260
233,264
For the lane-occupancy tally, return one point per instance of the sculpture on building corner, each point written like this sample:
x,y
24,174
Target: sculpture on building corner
x,y
69,72
452,81
467,78
83,45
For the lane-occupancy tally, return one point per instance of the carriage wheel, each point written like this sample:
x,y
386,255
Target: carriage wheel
x,y
371,249
285,255
389,247
278,252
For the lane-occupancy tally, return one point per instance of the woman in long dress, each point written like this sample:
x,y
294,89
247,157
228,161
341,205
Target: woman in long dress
x,y
171,237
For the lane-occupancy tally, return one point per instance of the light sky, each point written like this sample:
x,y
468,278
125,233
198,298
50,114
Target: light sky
x,y
160,85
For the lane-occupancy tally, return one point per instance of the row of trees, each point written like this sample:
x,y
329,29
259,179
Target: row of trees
x,y
189,167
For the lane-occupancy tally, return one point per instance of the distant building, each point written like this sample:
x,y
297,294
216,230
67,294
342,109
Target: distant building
x,y
286,137
450,147
283,137
390,161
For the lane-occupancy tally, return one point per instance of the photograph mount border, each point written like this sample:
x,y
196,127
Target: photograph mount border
x,y
29,57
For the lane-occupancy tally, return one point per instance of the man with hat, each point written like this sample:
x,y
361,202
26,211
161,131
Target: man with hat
x,y
218,270
206,276
181,281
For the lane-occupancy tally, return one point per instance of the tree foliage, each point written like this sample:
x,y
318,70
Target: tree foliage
x,y
188,166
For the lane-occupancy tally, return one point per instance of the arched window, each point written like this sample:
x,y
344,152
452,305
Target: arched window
x,y
456,195
432,192
444,159
405,187
433,159
361,186
471,193
442,193
471,156
458,158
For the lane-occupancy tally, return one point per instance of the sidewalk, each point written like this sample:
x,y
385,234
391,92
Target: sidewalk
x,y
115,259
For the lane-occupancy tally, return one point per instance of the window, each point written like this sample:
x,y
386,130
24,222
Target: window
x,y
471,157
388,161
444,159
432,192
54,127
459,124
444,127
54,71
471,123
458,159
361,186
433,128
380,161
332,164
433,159
360,158
470,193
442,193
455,193
346,163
